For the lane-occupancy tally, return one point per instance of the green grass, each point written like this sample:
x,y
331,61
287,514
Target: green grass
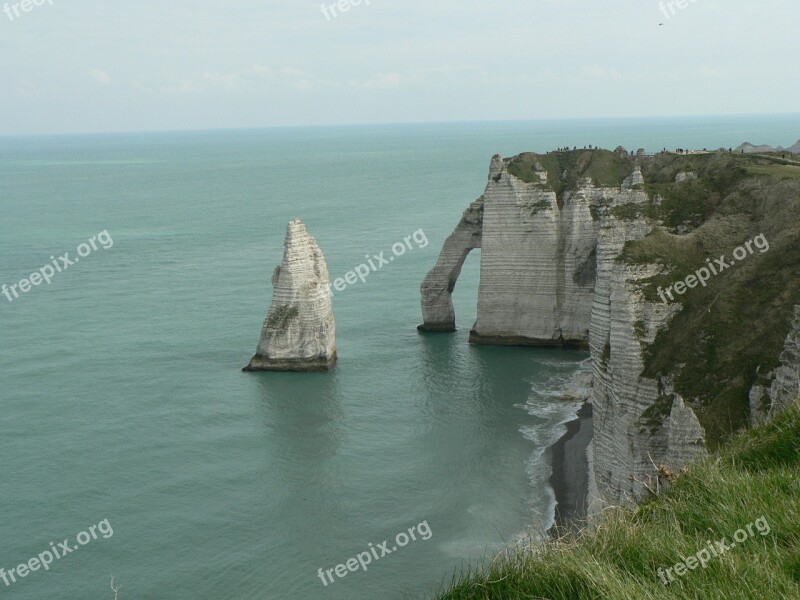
x,y
605,168
714,359
756,475
775,170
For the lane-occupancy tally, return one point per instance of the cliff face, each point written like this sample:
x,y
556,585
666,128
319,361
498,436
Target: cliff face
x,y
299,333
639,422
784,388
575,246
537,262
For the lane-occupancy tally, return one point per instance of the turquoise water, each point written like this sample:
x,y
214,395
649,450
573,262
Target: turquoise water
x,y
123,397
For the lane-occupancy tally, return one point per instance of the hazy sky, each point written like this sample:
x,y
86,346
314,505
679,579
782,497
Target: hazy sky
x,y
92,65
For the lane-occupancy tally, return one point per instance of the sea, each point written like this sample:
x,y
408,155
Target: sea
x,y
134,447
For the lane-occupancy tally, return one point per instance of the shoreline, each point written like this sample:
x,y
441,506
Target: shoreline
x,y
569,477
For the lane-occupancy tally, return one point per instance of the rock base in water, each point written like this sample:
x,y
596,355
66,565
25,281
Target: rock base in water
x,y
308,365
509,339
436,328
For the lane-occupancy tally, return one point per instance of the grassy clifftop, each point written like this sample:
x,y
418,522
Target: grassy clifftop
x,y
752,486
564,169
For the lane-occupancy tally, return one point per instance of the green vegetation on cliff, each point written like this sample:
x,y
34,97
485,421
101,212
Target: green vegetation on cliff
x,y
730,333
756,476
565,169
281,316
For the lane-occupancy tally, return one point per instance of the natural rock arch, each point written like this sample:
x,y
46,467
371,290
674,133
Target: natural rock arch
x,y
438,313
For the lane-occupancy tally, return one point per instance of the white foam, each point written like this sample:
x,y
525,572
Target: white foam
x,y
553,404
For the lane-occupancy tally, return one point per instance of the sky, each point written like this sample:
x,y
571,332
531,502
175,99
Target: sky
x,y
99,66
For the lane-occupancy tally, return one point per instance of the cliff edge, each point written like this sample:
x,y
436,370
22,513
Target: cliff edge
x,y
606,251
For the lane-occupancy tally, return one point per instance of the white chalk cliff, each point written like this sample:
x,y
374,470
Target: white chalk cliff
x,y
574,248
639,423
537,262
299,332
549,276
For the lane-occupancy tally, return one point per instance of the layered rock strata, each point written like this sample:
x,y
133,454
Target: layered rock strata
x,y
640,424
550,276
575,249
437,288
537,263
299,332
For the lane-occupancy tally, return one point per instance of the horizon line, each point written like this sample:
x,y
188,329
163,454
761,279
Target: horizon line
x,y
393,124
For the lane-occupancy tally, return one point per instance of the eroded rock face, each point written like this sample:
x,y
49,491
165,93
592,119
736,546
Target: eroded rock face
x,y
550,276
537,262
640,423
299,333
635,179
766,402
437,288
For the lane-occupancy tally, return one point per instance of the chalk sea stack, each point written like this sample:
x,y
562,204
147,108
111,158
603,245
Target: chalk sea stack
x,y
299,333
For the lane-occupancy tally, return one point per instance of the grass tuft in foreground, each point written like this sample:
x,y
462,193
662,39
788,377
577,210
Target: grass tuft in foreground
x,y
756,475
